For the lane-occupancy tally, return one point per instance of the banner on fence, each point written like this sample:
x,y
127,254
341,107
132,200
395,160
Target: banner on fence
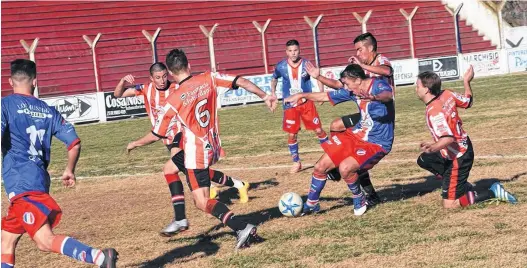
x,y
485,63
76,108
405,71
123,107
515,37
445,67
517,59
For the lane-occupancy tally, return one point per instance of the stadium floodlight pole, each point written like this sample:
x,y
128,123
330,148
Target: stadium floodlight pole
x,y
455,14
362,20
92,45
409,18
152,40
209,35
264,43
31,51
314,26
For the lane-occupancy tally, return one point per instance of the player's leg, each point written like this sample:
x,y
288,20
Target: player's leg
x,y
309,115
348,169
9,242
39,213
318,181
345,122
221,178
199,182
433,162
291,125
372,198
170,170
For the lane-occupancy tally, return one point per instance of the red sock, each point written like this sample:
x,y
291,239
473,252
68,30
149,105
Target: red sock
x,y
8,259
468,199
172,178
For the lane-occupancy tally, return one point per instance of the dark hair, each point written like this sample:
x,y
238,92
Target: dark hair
x,y
367,37
157,67
176,60
23,69
292,42
431,81
353,71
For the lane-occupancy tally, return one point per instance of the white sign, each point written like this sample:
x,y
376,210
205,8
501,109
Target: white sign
x,y
485,63
76,108
242,96
516,37
332,73
405,71
517,59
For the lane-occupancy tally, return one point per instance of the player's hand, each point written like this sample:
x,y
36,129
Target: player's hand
x,y
366,96
130,147
68,179
270,101
312,70
425,146
354,60
293,99
469,74
274,102
129,78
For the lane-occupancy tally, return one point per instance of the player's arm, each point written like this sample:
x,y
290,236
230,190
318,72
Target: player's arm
x,y
384,69
4,118
122,91
383,93
467,78
440,126
436,146
274,81
68,177
147,139
315,73
270,100
314,96
65,132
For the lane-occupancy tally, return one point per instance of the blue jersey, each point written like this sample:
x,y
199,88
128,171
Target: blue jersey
x,y
27,127
377,118
294,80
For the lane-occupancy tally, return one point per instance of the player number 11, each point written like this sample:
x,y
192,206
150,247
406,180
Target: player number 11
x,y
33,135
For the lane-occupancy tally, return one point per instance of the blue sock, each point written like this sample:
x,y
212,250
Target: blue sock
x,y
323,137
70,247
293,149
355,188
318,181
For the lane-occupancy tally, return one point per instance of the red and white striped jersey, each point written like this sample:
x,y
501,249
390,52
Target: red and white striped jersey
x,y
194,105
381,60
443,120
155,100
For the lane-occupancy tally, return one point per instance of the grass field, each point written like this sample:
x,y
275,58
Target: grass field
x,y
122,201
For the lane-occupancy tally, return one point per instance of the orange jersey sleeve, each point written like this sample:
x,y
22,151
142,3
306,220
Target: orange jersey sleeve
x,y
224,81
463,101
165,123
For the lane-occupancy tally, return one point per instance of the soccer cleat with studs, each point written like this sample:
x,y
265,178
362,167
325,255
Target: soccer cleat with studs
x,y
174,228
110,258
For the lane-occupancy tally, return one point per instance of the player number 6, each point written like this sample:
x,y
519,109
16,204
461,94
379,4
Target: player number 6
x,y
205,113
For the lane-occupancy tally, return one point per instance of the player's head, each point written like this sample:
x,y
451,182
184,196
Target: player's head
x,y
159,75
177,62
292,49
352,76
365,47
428,83
23,75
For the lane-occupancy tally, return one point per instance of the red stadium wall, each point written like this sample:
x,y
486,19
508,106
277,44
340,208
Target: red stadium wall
x,y
65,62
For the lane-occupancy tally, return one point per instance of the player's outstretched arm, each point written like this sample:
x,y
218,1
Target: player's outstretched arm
x,y
315,73
270,100
68,177
147,139
316,96
467,78
384,70
432,146
121,91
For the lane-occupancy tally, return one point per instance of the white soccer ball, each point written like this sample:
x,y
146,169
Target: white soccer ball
x,y
290,204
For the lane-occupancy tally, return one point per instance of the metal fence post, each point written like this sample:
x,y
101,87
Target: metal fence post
x,y
409,18
314,26
30,49
264,43
209,35
362,20
92,45
152,40
455,14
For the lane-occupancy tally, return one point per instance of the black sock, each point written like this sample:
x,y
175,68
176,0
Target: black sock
x,y
365,182
220,211
484,195
220,178
178,197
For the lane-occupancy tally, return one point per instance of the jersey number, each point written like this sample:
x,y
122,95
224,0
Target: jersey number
x,y
205,114
35,134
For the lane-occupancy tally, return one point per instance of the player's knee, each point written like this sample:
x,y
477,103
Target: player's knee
x,y
449,204
320,167
337,125
170,168
347,170
421,162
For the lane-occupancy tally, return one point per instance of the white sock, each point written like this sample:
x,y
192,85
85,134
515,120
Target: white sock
x,y
98,256
237,183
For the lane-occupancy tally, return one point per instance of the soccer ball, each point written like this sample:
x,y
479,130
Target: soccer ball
x,y
290,204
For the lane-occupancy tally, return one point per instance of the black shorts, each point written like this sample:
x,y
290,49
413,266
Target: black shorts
x,y
196,178
176,143
455,172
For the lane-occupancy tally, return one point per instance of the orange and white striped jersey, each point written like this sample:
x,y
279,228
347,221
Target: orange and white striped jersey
x,y
155,100
194,105
381,60
443,120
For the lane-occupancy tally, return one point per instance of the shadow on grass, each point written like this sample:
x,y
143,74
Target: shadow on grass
x,y
205,242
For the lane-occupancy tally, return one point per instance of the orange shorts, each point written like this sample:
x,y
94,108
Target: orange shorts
x,y
346,144
307,112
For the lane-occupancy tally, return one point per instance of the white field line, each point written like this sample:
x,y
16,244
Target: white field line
x,y
388,161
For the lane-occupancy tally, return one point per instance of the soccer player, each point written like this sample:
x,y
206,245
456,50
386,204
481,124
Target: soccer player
x,y
374,64
358,148
27,127
155,95
194,106
295,79
450,155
